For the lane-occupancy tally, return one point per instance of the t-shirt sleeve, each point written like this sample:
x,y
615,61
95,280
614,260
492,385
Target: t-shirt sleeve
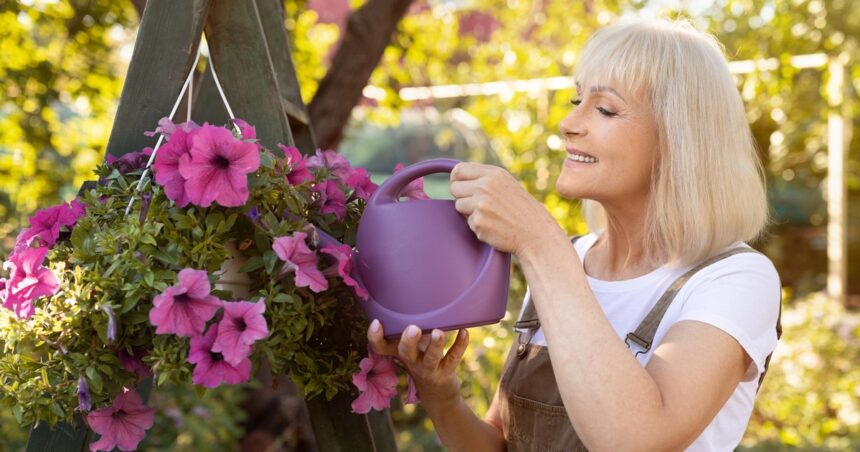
x,y
740,295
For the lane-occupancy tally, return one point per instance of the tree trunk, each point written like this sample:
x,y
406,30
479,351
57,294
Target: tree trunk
x,y
368,32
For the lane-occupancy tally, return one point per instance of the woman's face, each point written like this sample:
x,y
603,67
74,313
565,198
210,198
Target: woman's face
x,y
611,142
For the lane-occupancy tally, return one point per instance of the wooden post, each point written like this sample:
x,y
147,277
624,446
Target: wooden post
x,y
166,46
837,249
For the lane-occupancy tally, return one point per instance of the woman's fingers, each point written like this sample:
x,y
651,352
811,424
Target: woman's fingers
x,y
377,341
408,346
455,353
435,350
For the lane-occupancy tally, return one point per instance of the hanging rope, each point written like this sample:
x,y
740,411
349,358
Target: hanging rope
x,y
189,83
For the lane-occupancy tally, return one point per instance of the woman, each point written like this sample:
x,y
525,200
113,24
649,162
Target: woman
x,y
653,330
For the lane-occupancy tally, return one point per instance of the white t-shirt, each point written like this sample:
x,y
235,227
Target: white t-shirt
x,y
739,295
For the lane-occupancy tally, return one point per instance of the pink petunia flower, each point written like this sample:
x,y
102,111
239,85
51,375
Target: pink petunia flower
x,y
167,128
248,131
411,392
123,424
28,280
134,363
217,166
343,255
332,199
242,325
211,369
377,382
299,258
360,181
298,165
131,161
185,308
46,224
415,189
166,166
336,164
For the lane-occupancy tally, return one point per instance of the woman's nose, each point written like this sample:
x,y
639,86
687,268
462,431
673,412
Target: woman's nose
x,y
572,125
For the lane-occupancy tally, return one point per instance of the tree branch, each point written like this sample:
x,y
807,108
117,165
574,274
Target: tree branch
x,y
368,32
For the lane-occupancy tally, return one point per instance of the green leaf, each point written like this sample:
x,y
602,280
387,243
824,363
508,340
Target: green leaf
x,y
149,278
57,409
283,298
266,160
94,379
270,259
253,263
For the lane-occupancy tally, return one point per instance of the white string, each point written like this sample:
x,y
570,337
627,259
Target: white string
x,y
161,135
220,89
188,103
187,85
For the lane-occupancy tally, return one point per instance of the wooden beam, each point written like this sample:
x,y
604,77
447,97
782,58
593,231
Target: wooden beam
x,y
169,34
272,19
240,53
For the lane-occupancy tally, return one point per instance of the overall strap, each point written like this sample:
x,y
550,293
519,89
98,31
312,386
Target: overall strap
x,y
644,334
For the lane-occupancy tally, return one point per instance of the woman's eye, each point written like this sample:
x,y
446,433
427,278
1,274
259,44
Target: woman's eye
x,y
606,112
575,102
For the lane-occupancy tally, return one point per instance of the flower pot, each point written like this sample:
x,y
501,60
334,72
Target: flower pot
x,y
231,278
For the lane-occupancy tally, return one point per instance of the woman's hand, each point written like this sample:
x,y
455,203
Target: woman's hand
x,y
499,210
423,355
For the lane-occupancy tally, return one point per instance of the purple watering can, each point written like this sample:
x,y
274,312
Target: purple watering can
x,y
421,263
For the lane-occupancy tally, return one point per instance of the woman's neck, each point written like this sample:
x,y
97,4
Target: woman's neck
x,y
619,252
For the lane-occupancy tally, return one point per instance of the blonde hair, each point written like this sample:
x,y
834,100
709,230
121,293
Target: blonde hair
x,y
707,186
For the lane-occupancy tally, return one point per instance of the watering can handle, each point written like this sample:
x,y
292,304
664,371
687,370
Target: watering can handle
x,y
389,191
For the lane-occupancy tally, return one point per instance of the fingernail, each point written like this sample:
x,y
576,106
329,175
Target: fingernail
x,y
412,331
374,326
437,335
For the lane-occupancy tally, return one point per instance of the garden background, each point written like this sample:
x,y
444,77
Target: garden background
x,y
62,66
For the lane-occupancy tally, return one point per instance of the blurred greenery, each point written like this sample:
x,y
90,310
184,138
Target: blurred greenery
x,y
62,64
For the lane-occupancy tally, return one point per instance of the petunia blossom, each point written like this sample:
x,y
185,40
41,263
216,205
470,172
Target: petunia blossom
x,y
84,400
166,166
377,382
123,424
211,369
45,224
415,189
247,130
331,198
185,308
335,163
133,363
131,161
411,392
242,325
293,250
343,255
299,172
360,181
28,280
167,128
216,167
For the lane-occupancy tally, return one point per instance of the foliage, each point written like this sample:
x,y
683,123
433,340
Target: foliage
x,y
811,395
60,75
191,422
